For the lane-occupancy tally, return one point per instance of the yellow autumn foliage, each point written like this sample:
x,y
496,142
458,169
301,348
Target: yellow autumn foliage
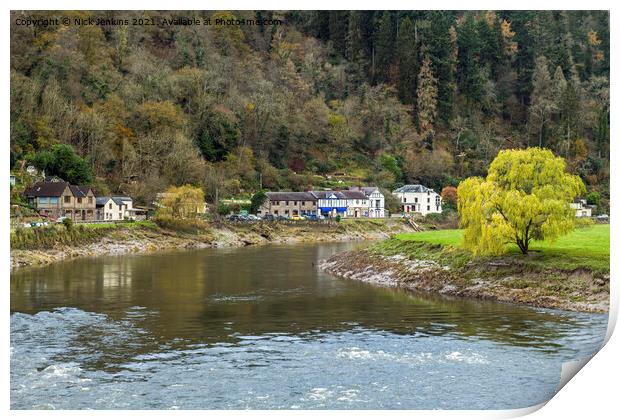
x,y
526,196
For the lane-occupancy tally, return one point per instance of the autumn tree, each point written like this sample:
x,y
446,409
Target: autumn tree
x,y
526,196
449,196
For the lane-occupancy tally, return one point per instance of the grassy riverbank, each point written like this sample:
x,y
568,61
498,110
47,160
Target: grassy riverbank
x,y
583,248
570,273
44,245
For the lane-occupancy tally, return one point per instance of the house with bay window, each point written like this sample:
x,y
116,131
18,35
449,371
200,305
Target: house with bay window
x,y
58,198
416,198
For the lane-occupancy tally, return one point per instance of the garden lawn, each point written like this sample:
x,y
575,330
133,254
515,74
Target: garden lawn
x,y
582,248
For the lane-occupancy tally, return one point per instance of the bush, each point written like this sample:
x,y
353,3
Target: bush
x,y
51,236
223,209
182,225
67,223
583,222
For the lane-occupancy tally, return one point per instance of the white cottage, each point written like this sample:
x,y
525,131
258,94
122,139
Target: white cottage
x,y
581,207
417,198
375,199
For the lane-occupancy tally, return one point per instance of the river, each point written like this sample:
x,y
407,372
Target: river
x,y
262,327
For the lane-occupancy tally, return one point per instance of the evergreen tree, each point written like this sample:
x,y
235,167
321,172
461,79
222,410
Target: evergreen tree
x,y
440,50
468,70
427,100
406,53
384,47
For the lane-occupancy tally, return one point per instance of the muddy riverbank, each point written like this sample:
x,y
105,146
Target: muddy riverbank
x,y
503,279
127,239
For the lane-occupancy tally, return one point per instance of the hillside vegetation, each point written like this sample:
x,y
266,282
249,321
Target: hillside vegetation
x,y
322,99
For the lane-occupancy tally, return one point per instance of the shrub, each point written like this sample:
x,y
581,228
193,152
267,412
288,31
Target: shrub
x,y
583,222
67,223
223,209
182,225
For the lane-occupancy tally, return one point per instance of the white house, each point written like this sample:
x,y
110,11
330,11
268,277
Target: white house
x,y
375,199
114,208
356,202
417,198
582,209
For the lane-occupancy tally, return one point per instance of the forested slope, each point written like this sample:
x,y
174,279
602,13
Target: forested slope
x,y
383,97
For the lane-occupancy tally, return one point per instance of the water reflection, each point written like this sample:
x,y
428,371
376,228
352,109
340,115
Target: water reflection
x,y
204,295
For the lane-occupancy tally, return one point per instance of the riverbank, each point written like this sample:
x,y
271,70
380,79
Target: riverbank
x,y
571,274
44,246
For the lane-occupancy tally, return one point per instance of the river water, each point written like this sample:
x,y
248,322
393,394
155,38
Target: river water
x,y
262,327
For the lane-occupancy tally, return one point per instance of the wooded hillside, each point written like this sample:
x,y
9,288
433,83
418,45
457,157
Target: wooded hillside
x,y
383,97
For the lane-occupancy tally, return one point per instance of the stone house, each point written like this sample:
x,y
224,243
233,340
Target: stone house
x,y
289,203
417,198
61,199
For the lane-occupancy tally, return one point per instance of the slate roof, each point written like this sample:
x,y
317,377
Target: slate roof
x,y
79,190
325,194
119,199
412,188
354,194
100,201
46,189
290,196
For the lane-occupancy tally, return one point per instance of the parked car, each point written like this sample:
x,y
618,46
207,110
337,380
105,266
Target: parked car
x,y
232,217
269,218
313,217
297,217
60,219
253,217
283,218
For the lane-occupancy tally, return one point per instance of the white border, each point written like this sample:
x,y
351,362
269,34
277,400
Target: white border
x,y
593,393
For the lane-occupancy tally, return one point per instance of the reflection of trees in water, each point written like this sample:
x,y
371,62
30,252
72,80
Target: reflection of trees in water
x,y
213,296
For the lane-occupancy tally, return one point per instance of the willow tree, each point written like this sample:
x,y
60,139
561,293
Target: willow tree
x,y
185,202
526,196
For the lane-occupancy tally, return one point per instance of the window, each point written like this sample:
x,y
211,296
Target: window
x,y
120,216
90,200
294,203
303,203
110,206
416,199
428,208
67,199
428,200
404,199
276,203
275,212
43,200
79,200
285,211
286,202
357,201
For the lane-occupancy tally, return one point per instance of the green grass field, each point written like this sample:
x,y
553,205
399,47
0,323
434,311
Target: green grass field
x,y
584,247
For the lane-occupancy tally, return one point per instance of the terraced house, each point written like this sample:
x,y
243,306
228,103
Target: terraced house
x,y
58,198
289,203
355,202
